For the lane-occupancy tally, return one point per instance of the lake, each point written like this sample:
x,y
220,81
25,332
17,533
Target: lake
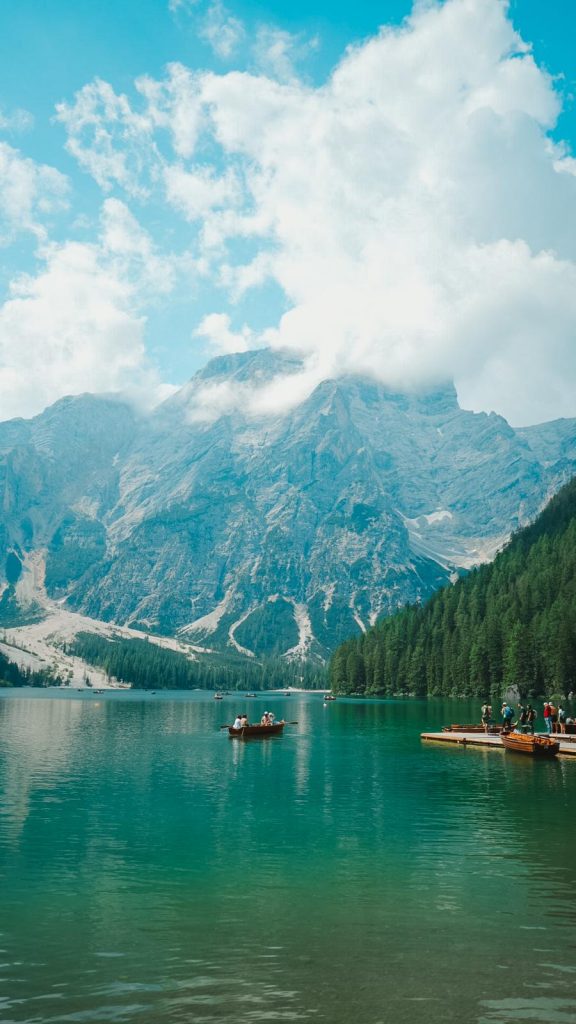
x,y
154,870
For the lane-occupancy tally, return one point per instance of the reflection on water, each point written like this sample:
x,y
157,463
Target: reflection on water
x,y
153,869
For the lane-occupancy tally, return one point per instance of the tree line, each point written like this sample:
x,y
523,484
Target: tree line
x,y
512,622
146,666
12,674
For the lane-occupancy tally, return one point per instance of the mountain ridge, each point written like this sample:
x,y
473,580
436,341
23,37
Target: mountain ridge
x,y
507,627
279,534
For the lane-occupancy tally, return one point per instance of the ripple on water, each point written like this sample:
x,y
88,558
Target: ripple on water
x,y
154,871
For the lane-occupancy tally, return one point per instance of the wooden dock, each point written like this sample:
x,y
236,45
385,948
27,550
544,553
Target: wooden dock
x,y
482,739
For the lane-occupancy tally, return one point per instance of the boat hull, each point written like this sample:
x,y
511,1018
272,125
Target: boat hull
x,y
256,731
533,746
492,728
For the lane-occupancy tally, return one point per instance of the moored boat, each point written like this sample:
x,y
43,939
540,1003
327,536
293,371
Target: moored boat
x,y
492,728
249,731
535,746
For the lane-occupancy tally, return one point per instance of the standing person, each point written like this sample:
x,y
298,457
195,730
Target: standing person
x,y
554,717
547,718
486,712
507,716
531,717
561,720
522,716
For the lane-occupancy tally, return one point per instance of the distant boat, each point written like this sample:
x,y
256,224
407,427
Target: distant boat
x,y
250,694
218,696
256,730
329,696
534,746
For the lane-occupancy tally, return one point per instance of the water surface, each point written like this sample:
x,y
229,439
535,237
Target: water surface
x,y
153,870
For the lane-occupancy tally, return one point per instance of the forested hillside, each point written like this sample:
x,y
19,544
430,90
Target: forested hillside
x,y
12,675
148,667
512,622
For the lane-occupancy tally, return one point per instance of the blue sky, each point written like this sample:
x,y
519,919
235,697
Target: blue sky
x,y
135,244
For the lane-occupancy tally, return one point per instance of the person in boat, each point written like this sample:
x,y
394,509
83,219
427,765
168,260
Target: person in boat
x,y
265,720
237,722
530,718
244,721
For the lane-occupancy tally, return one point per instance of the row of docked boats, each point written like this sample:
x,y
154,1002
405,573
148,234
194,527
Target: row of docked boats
x,y
520,742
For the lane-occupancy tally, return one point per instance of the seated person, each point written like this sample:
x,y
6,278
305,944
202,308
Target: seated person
x,y
237,722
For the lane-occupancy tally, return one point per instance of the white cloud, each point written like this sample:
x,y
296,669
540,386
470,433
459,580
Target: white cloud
x,y
78,324
174,105
216,328
17,120
221,30
197,193
413,209
277,52
278,395
108,138
29,194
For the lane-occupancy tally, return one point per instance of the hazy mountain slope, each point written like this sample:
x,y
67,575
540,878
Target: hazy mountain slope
x,y
509,624
282,534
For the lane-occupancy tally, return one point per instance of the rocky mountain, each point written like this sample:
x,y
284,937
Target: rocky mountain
x,y
262,535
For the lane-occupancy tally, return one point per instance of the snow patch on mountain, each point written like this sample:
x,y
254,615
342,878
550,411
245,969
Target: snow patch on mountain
x,y
209,623
232,639
329,597
305,632
355,615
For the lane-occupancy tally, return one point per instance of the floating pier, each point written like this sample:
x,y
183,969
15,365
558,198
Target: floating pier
x,y
482,739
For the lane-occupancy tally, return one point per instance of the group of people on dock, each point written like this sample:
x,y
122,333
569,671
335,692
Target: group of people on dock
x,y
556,719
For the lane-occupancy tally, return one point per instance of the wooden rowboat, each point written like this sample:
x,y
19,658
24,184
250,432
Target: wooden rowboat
x,y
535,746
250,731
492,728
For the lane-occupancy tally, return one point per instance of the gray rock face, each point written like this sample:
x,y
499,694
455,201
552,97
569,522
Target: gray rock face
x,y
278,535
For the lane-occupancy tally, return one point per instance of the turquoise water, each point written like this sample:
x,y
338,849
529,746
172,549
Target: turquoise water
x,y
153,870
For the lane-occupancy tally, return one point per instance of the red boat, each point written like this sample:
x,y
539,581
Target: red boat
x,y
535,746
249,731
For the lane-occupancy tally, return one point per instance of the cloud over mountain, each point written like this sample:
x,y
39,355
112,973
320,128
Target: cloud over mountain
x,y
414,211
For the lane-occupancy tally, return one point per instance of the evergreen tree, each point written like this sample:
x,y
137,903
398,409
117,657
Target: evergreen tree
x,y
509,623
